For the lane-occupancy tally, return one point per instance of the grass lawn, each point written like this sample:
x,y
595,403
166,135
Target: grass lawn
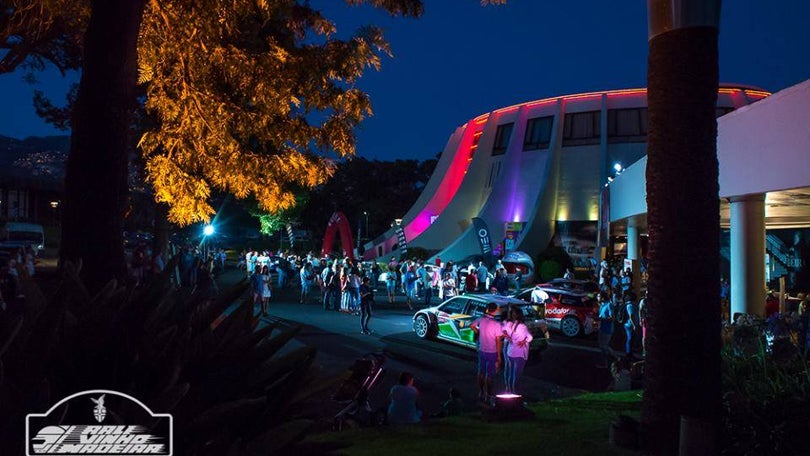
x,y
573,426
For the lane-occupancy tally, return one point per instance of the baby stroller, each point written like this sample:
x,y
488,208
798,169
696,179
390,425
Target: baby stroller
x,y
366,372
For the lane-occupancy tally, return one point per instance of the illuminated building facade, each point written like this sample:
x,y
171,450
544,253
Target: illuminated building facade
x,y
529,168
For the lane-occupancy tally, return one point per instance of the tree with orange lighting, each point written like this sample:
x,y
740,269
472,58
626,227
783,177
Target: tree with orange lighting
x,y
248,98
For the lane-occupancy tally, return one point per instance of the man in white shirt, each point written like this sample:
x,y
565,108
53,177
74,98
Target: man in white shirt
x,y
539,295
490,349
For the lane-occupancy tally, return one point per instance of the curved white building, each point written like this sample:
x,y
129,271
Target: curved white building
x,y
529,166
763,152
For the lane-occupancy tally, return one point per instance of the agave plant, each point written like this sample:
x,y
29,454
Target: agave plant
x,y
766,391
230,387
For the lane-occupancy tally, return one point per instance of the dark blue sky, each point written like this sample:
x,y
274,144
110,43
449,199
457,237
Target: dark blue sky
x,y
461,60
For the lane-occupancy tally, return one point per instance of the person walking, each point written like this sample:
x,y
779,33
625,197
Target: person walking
x,y
631,326
518,279
482,273
410,286
391,284
307,277
331,288
266,290
517,338
470,283
366,300
627,280
501,282
375,274
256,286
642,317
430,283
490,349
605,329
354,289
448,286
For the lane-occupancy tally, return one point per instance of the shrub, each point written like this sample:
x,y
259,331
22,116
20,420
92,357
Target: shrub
x,y
230,388
552,262
766,385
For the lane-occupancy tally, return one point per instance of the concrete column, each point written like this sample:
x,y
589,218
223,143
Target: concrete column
x,y
748,254
632,254
632,241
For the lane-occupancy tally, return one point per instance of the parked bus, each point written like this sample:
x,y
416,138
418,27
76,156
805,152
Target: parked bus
x,y
19,234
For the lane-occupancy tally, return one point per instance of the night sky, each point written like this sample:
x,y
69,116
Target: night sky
x,y
460,60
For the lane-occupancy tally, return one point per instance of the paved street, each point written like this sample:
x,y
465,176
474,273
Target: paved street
x,y
567,367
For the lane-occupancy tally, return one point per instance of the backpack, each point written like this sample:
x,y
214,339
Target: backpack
x,y
620,312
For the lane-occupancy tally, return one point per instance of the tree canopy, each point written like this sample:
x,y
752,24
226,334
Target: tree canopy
x,y
254,98
247,95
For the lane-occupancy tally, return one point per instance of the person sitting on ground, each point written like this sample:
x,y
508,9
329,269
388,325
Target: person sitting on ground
x,y
403,408
620,371
453,406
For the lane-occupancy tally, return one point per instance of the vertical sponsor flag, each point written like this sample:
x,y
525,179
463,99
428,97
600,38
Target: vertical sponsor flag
x,y
484,241
291,235
401,241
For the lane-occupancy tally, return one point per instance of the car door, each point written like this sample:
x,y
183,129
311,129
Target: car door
x,y
474,311
447,315
554,310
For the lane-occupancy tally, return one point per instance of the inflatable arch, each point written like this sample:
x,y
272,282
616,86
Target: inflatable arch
x,y
338,222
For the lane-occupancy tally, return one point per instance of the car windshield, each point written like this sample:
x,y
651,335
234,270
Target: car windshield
x,y
453,306
529,312
25,236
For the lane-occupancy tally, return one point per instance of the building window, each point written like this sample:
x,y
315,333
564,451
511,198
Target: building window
x,y
502,136
627,125
538,133
720,112
581,128
474,146
494,172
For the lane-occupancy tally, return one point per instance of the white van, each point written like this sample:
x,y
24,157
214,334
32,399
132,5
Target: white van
x,y
18,234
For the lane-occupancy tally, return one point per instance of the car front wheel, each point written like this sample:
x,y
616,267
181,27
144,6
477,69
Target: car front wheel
x,y
422,327
570,326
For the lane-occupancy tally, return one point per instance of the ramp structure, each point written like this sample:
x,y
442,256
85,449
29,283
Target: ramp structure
x,y
526,168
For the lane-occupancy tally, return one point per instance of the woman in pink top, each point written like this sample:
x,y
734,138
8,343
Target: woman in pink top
x,y
518,337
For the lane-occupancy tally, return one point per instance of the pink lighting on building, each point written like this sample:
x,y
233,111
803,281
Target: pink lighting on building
x,y
514,207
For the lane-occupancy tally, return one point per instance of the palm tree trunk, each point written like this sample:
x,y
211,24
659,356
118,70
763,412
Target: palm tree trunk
x,y
96,176
161,231
683,343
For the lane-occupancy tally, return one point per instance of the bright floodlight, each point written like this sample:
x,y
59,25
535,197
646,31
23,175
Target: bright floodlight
x,y
208,230
617,167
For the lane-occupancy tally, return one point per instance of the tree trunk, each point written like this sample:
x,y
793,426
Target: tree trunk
x,y
96,176
161,230
683,344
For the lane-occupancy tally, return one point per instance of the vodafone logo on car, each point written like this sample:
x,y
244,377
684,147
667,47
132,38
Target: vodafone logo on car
x,y
558,311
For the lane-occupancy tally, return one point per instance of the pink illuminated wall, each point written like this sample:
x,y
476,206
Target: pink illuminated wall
x,y
449,185
515,196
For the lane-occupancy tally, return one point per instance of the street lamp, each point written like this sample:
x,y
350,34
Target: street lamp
x,y
55,207
208,230
366,214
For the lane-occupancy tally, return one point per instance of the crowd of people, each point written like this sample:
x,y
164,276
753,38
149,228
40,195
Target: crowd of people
x,y
349,286
20,261
619,306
